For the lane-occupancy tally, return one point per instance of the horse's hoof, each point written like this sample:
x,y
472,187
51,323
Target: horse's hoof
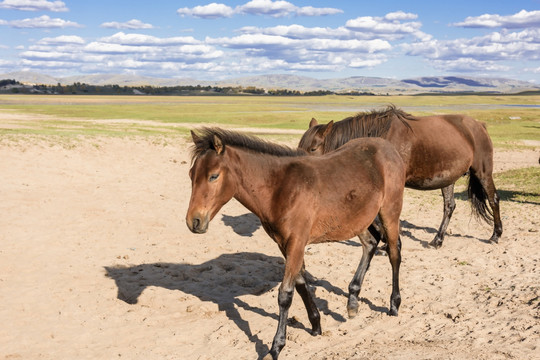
x,y
435,244
393,312
352,312
316,331
494,239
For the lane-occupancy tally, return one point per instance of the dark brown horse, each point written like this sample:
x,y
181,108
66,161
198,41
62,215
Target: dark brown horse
x,y
302,200
437,151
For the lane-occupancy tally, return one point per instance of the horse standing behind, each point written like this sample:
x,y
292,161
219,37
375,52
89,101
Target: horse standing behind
x,y
437,151
302,200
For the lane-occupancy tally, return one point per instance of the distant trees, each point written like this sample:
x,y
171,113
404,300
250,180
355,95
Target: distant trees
x,y
11,86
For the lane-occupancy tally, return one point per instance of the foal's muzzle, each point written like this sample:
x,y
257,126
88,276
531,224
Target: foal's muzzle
x,y
197,224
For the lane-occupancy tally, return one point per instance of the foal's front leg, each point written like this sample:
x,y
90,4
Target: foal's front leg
x,y
294,255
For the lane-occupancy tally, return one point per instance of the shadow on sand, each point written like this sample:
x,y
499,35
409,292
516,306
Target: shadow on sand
x,y
222,281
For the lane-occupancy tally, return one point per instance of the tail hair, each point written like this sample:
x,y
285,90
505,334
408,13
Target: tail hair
x,y
478,197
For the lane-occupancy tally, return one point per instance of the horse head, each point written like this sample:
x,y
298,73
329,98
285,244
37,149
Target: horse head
x,y
314,139
211,187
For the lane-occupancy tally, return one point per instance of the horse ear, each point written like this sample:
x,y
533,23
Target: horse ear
x,y
328,128
313,123
195,137
218,145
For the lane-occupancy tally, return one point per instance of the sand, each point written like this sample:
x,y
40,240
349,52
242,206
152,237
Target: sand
x,y
96,262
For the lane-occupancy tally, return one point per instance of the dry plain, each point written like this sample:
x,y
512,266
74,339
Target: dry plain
x,y
96,262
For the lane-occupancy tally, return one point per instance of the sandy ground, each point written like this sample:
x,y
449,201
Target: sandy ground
x,y
96,262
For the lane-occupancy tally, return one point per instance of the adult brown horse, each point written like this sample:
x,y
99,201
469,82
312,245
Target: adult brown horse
x,y
302,200
437,151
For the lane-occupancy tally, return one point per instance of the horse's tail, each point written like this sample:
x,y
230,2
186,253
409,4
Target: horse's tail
x,y
479,197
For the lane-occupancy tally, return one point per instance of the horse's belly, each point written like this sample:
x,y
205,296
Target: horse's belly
x,y
435,181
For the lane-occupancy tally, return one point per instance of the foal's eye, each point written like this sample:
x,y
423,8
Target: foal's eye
x,y
213,177
313,149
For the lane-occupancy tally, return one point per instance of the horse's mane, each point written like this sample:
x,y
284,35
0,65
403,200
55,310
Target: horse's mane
x,y
375,123
206,135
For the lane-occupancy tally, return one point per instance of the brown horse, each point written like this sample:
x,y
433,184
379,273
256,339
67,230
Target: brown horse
x,y
437,151
302,200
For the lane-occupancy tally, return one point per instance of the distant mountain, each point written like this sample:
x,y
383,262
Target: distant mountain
x,y
377,85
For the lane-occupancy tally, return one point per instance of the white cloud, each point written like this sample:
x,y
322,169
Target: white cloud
x,y
148,40
34,5
267,7
301,32
382,25
366,63
400,15
468,65
210,11
119,52
131,24
495,46
44,22
272,8
533,70
61,40
522,19
312,11
282,8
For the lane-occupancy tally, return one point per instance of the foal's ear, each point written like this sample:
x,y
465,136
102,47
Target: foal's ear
x,y
328,127
313,123
195,137
218,145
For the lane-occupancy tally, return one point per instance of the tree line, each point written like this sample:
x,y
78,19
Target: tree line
x,y
15,87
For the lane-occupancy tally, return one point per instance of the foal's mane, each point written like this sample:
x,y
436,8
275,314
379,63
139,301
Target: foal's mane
x,y
375,123
206,136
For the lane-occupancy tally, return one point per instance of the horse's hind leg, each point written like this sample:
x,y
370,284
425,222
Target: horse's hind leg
x,y
449,206
369,246
311,307
493,199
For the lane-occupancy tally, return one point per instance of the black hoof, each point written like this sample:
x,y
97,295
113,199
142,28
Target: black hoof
x,y
435,244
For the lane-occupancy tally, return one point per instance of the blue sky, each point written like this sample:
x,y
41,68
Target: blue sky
x,y
211,40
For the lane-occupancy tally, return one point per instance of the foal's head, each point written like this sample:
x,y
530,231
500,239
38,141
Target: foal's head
x,y
210,188
216,165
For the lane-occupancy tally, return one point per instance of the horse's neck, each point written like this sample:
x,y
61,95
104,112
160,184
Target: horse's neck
x,y
253,173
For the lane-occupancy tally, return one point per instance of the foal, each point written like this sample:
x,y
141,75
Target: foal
x,y
302,200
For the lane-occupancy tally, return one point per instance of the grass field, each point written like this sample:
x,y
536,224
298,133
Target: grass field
x,y
510,119
513,121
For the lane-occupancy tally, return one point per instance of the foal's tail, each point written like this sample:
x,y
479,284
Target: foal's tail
x,y
478,196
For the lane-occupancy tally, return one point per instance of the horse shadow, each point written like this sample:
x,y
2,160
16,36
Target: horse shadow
x,y
407,226
243,225
222,281
507,195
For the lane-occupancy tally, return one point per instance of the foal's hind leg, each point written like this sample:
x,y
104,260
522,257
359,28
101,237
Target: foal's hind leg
x,y
449,206
369,246
390,223
311,307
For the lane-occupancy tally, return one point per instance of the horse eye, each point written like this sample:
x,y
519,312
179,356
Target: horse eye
x,y
213,177
313,149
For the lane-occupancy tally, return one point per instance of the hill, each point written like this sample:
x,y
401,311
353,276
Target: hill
x,y
377,85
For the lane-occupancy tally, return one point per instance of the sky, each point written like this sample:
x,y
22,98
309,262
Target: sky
x,y
216,40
